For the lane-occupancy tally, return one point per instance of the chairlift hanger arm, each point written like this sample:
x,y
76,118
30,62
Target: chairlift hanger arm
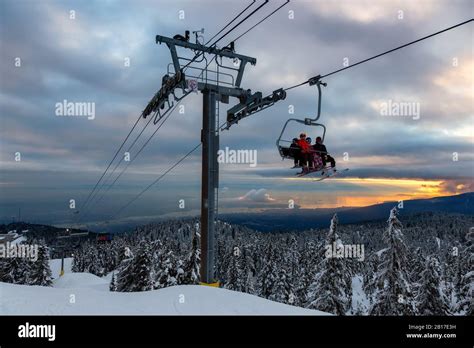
x,y
251,104
169,84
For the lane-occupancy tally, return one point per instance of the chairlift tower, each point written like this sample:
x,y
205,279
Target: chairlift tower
x,y
214,90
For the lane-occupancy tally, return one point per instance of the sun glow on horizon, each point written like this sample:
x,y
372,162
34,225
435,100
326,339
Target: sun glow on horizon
x,y
376,190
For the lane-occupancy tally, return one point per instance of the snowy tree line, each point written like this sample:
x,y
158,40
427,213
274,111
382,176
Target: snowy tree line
x,y
422,267
430,275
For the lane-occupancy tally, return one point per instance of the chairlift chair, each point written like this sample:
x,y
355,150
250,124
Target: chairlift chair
x,y
283,145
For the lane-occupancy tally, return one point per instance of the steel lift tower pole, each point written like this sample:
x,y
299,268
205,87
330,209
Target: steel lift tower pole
x,y
212,94
209,184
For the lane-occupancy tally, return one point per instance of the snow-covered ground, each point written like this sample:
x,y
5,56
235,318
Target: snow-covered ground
x,y
84,293
359,299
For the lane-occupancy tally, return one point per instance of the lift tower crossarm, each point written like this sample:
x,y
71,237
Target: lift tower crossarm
x,y
172,43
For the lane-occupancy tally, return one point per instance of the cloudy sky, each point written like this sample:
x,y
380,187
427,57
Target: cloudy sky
x,y
78,51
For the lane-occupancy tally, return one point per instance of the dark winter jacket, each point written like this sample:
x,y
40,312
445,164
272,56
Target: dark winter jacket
x,y
321,148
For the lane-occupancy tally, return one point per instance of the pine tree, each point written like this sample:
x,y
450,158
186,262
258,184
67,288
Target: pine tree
x,y
78,261
466,303
369,276
466,282
246,277
222,262
267,275
137,274
234,274
95,260
451,264
40,273
142,268
3,270
14,270
113,283
124,274
394,293
167,274
282,290
307,263
179,272
193,262
328,291
292,257
430,299
418,265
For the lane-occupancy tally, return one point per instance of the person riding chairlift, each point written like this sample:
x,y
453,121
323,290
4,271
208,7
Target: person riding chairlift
x,y
305,152
295,152
325,157
315,160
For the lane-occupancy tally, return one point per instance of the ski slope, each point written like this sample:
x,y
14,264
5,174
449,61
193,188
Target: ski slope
x,y
87,294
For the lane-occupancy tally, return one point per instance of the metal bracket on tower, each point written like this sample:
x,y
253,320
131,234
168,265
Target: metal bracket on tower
x,y
251,104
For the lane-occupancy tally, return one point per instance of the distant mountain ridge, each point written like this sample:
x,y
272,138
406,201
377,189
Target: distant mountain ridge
x,y
301,219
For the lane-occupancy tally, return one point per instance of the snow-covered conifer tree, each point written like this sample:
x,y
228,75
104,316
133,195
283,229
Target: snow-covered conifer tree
x,y
113,283
267,275
167,274
430,299
193,263
14,270
282,289
328,291
137,274
40,272
394,294
466,283
234,274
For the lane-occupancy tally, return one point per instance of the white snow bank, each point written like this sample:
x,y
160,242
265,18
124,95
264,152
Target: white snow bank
x,y
85,293
183,299
81,280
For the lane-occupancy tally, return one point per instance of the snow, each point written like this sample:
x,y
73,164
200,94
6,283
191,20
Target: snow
x,y
359,298
18,240
81,280
92,296
380,252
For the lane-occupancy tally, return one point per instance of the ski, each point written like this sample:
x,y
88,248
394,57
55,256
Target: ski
x,y
332,174
328,174
320,170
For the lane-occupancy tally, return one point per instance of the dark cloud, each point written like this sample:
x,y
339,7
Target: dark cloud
x,y
82,60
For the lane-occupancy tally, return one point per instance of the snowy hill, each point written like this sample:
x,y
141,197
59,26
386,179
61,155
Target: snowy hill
x,y
92,296
94,299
